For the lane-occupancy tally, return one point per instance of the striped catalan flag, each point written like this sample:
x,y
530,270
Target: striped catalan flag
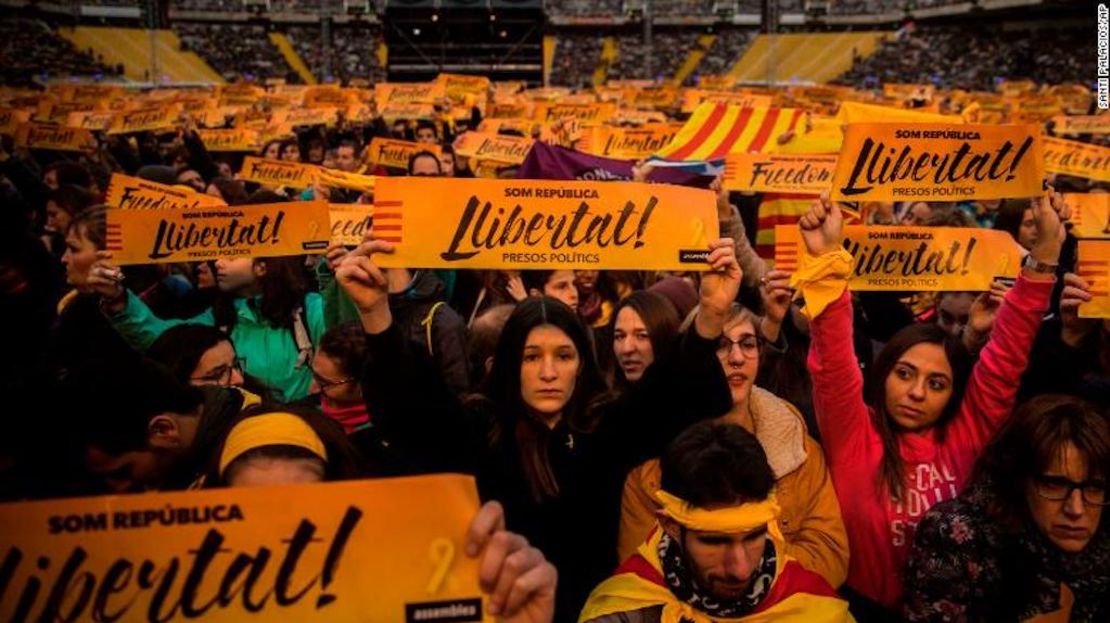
x,y
718,129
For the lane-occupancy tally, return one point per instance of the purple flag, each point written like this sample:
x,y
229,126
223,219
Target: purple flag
x,y
550,162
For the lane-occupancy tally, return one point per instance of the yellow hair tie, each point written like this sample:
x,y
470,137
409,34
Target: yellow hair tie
x,y
271,429
821,280
734,519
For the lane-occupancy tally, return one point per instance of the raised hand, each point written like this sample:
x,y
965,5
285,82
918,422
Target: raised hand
x,y
335,254
515,287
1049,214
719,288
982,314
1073,329
106,279
822,227
516,576
366,284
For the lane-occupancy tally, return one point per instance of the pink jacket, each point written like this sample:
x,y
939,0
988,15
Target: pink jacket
x,y
880,532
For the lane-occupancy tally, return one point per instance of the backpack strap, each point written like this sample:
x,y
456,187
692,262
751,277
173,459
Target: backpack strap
x,y
301,337
427,324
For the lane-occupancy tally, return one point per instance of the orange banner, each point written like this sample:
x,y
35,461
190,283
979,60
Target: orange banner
x,y
692,98
269,230
92,120
278,172
856,112
12,118
499,148
230,140
938,162
1075,158
388,152
146,119
294,117
132,193
40,136
1090,214
587,114
350,222
629,143
521,224
395,111
780,173
1094,267
57,112
386,93
915,258
1085,124
248,554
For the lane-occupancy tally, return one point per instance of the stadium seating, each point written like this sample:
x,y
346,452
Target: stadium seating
x,y
803,57
131,47
31,50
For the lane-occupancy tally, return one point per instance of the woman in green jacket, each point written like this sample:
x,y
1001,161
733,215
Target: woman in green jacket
x,y
267,311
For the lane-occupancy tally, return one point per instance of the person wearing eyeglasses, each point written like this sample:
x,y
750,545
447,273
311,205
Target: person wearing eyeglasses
x,y
1024,541
198,355
810,521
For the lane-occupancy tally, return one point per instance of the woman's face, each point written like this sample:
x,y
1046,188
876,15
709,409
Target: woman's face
x,y
917,214
548,370
632,344
738,352
79,257
218,366
586,280
329,380
235,275
273,150
1071,522
205,277
57,219
291,153
919,387
266,471
316,153
560,285
447,164
1027,231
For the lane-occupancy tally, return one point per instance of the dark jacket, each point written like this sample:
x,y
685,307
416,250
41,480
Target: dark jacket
x,y
421,312
577,530
1057,368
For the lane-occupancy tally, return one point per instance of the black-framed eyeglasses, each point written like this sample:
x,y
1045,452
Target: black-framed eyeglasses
x,y
222,374
1058,488
749,345
323,383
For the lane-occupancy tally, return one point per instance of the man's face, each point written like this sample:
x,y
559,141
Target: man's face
x,y
426,135
953,311
427,166
191,178
724,565
345,159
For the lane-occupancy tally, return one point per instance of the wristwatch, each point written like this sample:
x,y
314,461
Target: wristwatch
x,y
1038,266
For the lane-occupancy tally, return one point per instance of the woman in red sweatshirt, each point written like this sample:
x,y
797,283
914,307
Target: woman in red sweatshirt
x,y
913,440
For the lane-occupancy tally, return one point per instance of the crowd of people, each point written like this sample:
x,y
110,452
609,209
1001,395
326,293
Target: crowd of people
x,y
236,51
33,52
352,50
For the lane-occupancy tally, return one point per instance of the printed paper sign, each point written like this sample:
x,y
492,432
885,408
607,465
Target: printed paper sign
x,y
370,550
99,121
161,118
521,224
229,140
1093,124
278,172
780,173
938,162
12,118
350,222
629,143
132,193
1094,267
588,114
692,98
396,111
1090,214
1075,158
42,136
915,258
389,152
268,230
497,147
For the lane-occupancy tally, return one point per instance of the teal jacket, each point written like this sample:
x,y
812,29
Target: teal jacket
x,y
267,353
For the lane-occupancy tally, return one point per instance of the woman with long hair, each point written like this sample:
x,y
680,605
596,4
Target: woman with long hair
x,y
544,438
912,440
1026,537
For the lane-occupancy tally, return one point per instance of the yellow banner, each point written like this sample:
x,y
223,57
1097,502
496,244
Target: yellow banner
x,y
1085,124
458,86
343,179
655,98
521,224
269,230
1090,214
92,120
779,173
350,222
12,118
278,172
938,162
57,112
41,136
527,127
1075,158
587,114
389,152
327,97
369,550
293,117
510,110
915,258
161,118
1094,267
909,91
483,146
230,140
629,143
691,98
386,93
132,193
395,111
856,112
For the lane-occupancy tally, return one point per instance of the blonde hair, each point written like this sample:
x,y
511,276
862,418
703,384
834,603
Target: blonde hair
x,y
737,315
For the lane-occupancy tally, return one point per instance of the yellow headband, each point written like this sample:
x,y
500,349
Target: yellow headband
x,y
734,519
272,429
